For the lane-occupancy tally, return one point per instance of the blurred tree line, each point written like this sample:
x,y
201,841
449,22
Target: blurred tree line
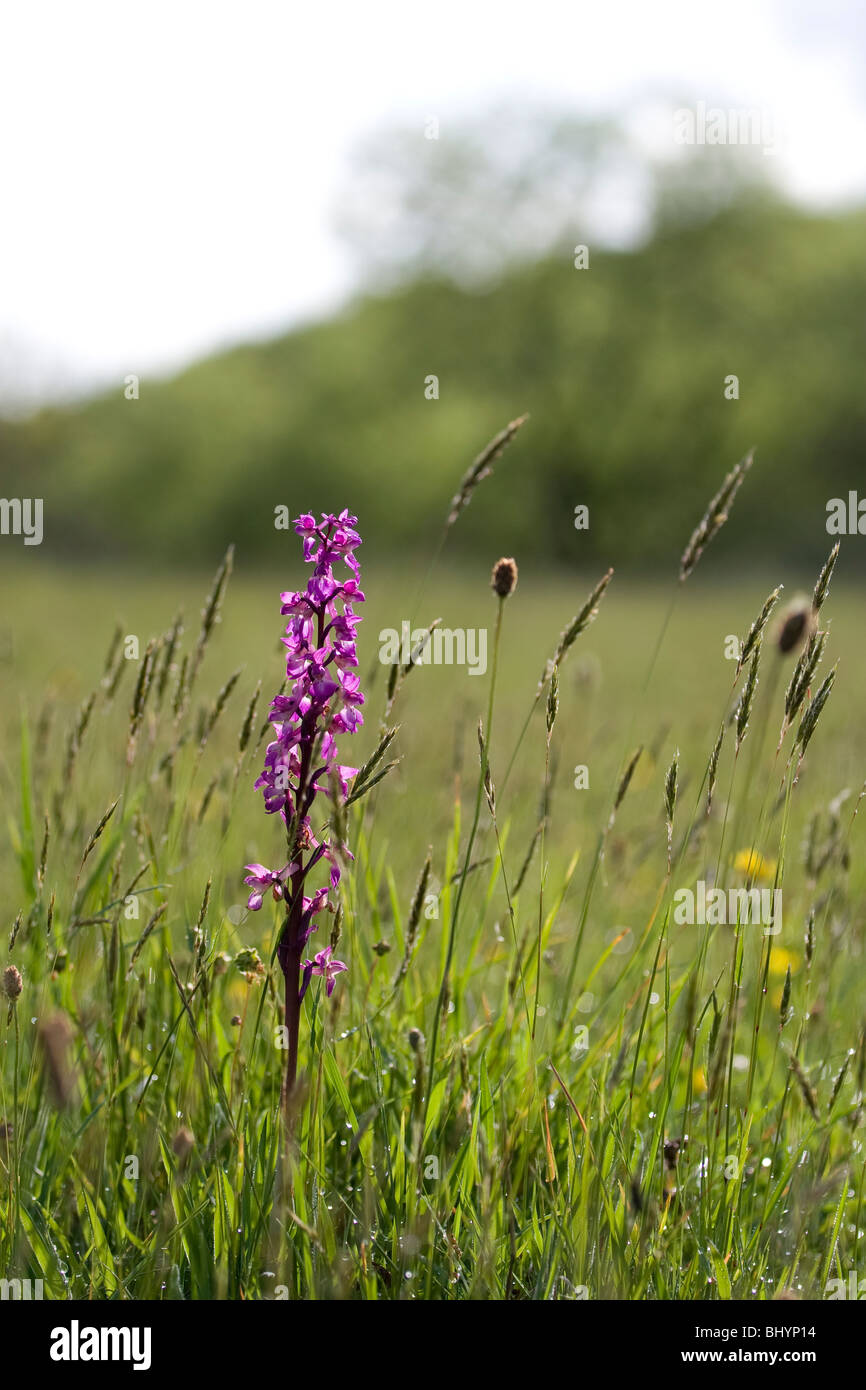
x,y
468,253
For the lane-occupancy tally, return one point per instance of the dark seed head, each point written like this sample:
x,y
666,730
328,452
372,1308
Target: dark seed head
x,y
416,1039
12,983
796,626
503,581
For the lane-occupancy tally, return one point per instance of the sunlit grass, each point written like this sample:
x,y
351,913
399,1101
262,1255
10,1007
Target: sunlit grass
x,y
661,1136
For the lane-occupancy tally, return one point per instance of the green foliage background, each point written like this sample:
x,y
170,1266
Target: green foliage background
x,y
621,367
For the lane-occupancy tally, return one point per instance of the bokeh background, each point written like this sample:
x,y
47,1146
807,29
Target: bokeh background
x,y
281,230
234,255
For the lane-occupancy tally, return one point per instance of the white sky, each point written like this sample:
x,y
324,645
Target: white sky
x,y
169,169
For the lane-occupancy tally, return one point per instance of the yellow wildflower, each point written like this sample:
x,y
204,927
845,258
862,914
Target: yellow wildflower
x,y
780,959
753,865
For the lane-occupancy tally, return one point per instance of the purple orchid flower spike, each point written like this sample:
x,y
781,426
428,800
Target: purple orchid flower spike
x,y
301,763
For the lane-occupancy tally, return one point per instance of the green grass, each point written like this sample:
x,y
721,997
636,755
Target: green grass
x,y
147,1156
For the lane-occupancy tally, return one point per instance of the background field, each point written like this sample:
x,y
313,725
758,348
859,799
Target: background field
x,y
524,1183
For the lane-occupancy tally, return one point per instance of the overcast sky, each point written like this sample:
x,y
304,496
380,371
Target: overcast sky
x,y
170,169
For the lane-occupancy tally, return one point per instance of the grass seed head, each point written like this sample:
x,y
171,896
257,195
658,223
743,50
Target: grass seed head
x,y
757,628
784,1006
481,468
713,768
810,937
824,578
12,983
169,649
624,784
671,787
843,1072
418,901
249,719
672,1153
552,701
714,518
16,927
489,789
671,801
804,671
806,1089
796,625
578,624
503,580
813,711
747,699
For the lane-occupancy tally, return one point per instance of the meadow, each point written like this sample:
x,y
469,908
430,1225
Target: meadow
x,y
533,1082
